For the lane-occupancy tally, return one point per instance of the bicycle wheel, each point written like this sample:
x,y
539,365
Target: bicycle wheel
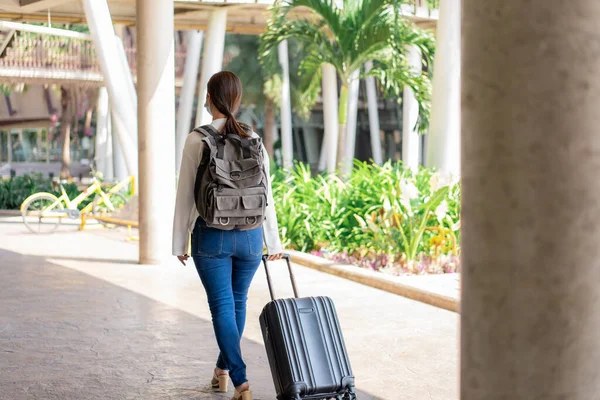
x,y
101,209
43,213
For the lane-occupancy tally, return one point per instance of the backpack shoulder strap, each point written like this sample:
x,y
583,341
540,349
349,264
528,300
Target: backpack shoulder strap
x,y
209,132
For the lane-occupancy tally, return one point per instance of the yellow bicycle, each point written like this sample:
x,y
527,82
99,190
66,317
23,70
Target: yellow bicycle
x,y
43,212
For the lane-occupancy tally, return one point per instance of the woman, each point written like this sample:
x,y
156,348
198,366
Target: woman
x,y
227,275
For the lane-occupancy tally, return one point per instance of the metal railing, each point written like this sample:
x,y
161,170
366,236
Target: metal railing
x,y
35,51
26,56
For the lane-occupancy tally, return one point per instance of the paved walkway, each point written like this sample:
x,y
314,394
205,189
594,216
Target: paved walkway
x,y
79,319
444,284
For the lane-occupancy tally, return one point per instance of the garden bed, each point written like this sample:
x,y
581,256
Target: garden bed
x,y
383,218
442,264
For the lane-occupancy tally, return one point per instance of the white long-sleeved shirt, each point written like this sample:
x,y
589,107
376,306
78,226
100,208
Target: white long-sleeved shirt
x,y
185,205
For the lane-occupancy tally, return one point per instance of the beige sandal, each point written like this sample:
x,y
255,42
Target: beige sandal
x,y
245,395
219,382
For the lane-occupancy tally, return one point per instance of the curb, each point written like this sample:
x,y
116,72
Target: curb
x,y
10,213
376,280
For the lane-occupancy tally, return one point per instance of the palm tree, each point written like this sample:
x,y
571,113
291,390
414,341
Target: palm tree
x,y
262,80
348,37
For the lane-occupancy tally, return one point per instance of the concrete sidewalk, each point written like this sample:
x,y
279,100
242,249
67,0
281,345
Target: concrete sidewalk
x,y
79,319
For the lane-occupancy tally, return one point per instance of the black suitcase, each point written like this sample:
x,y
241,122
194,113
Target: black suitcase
x,y
305,347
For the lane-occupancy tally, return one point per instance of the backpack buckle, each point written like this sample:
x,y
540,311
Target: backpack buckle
x,y
226,219
235,175
254,220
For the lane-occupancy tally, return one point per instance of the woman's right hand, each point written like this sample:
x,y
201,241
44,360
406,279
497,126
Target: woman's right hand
x,y
275,257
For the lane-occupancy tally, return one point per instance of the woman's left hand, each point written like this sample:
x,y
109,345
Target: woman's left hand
x,y
182,259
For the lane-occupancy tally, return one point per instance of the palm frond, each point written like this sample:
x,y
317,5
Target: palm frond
x,y
309,89
302,30
394,78
363,30
325,10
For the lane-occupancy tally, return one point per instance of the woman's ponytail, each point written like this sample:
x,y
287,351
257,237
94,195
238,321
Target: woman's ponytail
x,y
233,126
225,90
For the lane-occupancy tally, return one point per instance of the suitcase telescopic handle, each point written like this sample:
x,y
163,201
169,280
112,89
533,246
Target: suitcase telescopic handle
x,y
289,264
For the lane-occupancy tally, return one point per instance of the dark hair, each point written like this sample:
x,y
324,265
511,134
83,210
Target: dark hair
x,y
225,90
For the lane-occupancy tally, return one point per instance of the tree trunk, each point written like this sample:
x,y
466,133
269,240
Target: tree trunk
x,y
65,132
351,121
87,125
269,125
342,117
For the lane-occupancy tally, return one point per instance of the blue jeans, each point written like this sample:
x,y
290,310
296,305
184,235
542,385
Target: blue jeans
x,y
226,262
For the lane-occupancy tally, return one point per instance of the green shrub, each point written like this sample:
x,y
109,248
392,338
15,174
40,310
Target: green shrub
x,y
385,213
15,190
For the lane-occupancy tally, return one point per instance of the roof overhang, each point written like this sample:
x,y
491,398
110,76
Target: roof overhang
x,y
243,16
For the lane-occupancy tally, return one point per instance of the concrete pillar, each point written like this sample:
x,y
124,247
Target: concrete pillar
x,y
109,157
330,115
124,112
119,167
286,107
411,139
188,90
212,59
156,116
373,116
531,200
131,93
443,152
102,120
350,143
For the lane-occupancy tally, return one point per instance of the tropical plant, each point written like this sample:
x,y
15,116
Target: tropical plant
x,y
383,215
263,79
348,37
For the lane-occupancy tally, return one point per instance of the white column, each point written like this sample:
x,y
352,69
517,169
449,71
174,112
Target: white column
x,y
109,155
212,59
349,151
373,116
411,139
286,107
330,114
131,93
124,112
443,152
119,167
102,118
156,116
188,90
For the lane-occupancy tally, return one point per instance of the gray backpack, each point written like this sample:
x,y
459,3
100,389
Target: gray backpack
x,y
231,183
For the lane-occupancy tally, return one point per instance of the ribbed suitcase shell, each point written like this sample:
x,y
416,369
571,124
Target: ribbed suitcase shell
x,y
306,349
